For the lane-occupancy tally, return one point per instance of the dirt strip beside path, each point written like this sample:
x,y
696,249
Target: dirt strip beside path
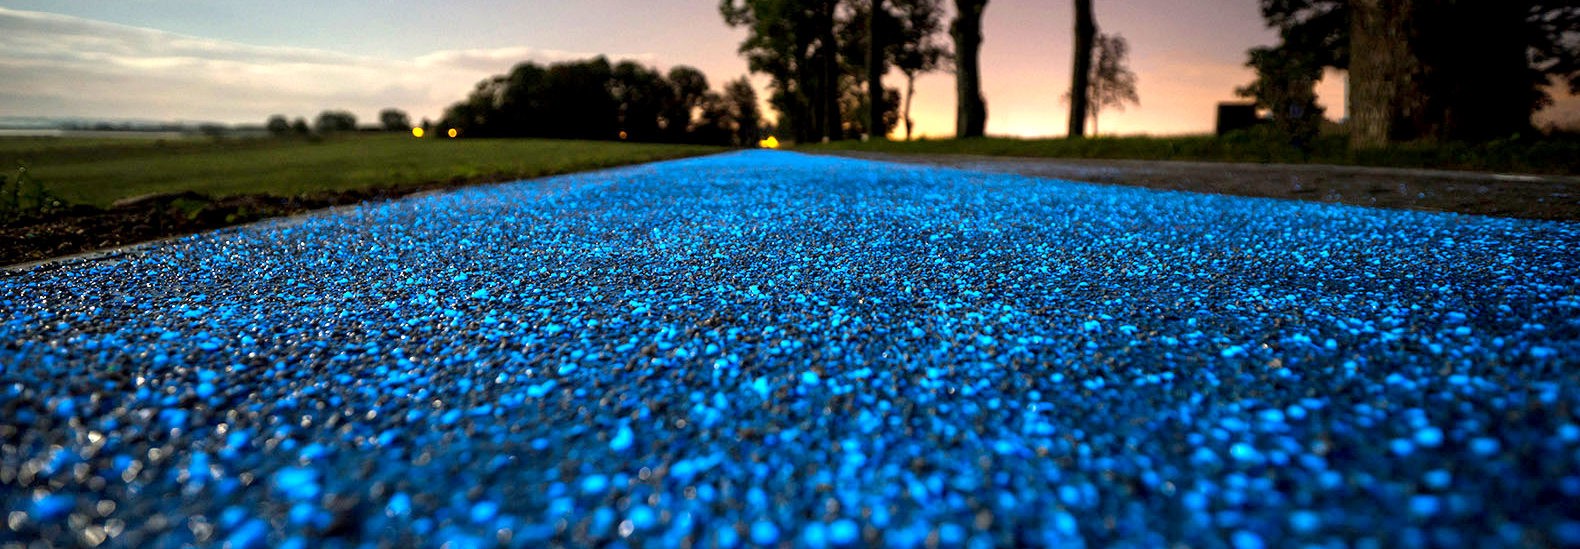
x,y
1503,195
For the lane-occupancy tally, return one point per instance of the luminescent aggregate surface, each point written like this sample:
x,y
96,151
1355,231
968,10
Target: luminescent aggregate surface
x,y
765,348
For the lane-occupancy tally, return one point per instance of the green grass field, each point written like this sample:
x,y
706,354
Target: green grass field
x,y
1560,155
100,171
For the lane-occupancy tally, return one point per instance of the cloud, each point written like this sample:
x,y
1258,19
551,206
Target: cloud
x,y
58,65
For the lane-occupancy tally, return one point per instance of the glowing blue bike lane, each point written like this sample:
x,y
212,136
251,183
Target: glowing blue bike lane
x,y
766,348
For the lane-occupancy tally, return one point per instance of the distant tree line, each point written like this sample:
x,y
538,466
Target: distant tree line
x,y
334,121
594,99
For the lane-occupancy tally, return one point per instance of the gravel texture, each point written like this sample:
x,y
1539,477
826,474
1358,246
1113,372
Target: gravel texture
x,y
766,348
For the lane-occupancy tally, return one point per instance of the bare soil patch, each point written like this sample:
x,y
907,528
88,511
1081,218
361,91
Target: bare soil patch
x,y
81,229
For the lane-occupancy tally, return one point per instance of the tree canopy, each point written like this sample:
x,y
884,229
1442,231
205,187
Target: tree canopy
x,y
394,120
278,126
1435,69
332,121
593,99
819,58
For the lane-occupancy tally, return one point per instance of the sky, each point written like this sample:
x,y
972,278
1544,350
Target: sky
x,y
240,61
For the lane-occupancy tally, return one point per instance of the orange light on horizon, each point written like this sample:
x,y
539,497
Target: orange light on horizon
x,y
770,143
416,131
454,133
622,135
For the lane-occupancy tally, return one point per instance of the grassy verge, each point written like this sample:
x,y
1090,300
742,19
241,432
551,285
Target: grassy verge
x,y
79,195
98,172
1555,155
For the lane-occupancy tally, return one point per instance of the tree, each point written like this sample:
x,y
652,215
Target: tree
x,y
569,100
1414,73
859,29
1112,83
394,120
1286,86
1080,81
825,18
299,126
515,103
577,103
688,94
858,112
592,99
642,94
794,43
715,123
877,44
335,121
971,110
917,48
742,101
278,126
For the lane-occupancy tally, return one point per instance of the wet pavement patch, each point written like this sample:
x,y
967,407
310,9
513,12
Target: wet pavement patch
x,y
766,348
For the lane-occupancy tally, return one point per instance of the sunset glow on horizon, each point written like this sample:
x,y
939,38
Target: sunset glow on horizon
x,y
194,61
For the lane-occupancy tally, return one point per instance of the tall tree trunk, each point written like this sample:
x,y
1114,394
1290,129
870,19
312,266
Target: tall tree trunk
x,y
910,90
971,110
1080,80
875,70
1384,86
831,117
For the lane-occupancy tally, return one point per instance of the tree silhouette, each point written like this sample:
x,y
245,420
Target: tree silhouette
x,y
1415,71
714,122
642,95
1113,84
917,48
877,45
794,43
335,121
1080,81
856,37
743,107
278,126
688,94
971,110
1286,86
826,18
592,99
394,120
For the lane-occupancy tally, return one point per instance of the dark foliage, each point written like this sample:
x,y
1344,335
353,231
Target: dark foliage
x,y
1465,70
592,99
335,121
394,120
278,126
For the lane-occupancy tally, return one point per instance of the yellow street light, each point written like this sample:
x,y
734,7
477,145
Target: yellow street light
x,y
454,133
416,132
770,143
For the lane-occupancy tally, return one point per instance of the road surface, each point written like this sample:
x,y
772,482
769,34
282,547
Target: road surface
x,y
766,348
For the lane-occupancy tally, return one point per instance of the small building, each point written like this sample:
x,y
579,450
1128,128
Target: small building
x,y
1236,116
